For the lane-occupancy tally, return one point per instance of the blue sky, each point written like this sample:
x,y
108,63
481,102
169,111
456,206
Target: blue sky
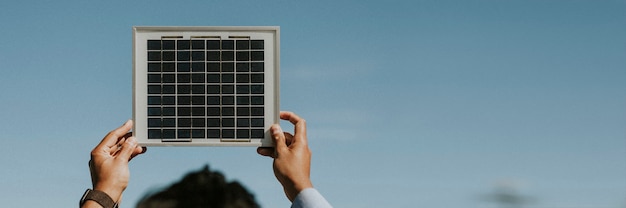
x,y
409,103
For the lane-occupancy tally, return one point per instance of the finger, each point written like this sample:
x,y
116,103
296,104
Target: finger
x,y
137,151
279,138
288,138
265,151
290,116
112,137
128,134
129,146
300,126
115,150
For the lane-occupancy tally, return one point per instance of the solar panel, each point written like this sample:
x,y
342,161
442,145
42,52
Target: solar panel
x,y
205,86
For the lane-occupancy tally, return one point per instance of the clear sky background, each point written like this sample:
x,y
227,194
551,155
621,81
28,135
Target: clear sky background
x,y
409,103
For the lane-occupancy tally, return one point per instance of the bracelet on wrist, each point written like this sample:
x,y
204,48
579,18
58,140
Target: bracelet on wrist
x,y
99,197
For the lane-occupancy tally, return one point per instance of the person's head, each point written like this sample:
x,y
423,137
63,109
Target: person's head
x,y
203,188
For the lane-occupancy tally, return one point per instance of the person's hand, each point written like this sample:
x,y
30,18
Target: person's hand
x,y
292,156
109,161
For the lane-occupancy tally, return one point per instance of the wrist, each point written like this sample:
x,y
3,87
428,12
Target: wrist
x,y
303,185
96,199
114,192
294,189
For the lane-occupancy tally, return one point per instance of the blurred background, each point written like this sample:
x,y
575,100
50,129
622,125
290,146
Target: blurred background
x,y
451,103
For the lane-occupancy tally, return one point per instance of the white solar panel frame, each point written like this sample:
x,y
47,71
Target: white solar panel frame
x,y
271,37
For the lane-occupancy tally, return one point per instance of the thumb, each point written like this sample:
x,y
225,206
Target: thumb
x,y
279,138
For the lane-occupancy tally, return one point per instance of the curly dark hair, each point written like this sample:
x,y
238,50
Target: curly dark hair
x,y
203,188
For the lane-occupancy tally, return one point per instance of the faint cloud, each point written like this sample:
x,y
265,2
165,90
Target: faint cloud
x,y
510,183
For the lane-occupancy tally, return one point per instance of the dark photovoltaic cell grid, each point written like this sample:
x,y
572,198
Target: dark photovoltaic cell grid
x,y
205,89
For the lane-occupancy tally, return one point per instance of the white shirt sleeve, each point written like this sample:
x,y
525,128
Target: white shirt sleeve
x,y
309,198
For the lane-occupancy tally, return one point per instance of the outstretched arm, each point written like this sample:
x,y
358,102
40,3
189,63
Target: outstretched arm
x,y
292,163
109,163
292,156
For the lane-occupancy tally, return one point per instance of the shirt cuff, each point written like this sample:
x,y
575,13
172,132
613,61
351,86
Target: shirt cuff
x,y
310,197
